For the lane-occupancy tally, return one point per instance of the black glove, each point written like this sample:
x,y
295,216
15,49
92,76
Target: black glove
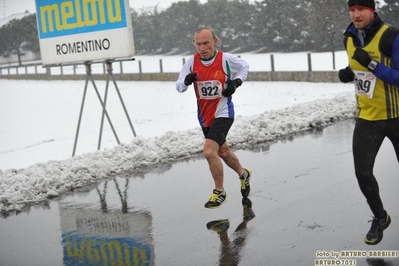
x,y
362,57
232,85
190,78
346,75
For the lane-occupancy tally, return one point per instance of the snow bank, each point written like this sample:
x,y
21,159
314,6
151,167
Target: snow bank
x,y
34,184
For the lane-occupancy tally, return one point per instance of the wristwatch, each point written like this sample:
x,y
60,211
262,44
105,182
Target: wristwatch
x,y
372,65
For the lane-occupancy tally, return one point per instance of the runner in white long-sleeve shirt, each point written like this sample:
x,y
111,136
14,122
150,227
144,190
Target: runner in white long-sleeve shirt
x,y
210,71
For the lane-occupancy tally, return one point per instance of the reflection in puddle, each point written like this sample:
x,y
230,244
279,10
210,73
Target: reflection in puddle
x,y
94,234
230,250
378,262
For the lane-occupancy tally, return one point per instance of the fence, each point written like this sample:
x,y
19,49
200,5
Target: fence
x,y
266,69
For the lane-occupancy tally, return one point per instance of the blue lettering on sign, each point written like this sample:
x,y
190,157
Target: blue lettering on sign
x,y
57,18
80,249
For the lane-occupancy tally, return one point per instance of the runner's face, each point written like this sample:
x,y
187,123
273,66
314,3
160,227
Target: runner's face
x,y
204,43
361,17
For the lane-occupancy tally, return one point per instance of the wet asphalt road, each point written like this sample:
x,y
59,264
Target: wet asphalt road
x,y
307,203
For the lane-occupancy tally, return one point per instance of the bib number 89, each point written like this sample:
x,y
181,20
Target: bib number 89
x,y
363,85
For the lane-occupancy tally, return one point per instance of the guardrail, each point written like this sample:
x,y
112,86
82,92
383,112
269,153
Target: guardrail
x,y
299,76
9,70
123,72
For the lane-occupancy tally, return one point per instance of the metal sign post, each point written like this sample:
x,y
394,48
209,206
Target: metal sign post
x,y
102,102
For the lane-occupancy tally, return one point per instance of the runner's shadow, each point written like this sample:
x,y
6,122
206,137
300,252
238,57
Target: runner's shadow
x,y
230,250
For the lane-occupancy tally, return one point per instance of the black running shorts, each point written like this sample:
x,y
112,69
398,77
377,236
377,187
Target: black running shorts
x,y
219,129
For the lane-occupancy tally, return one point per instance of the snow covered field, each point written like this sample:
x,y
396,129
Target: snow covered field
x,y
39,122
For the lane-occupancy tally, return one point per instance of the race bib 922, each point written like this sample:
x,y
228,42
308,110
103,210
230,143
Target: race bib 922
x,y
210,89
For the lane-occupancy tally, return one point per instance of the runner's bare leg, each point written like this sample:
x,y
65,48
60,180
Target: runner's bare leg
x,y
213,153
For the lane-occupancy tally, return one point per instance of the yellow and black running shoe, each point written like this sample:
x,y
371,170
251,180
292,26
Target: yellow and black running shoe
x,y
217,199
219,226
244,180
378,225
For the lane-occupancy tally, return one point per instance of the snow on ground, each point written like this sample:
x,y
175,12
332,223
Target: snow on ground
x,y
39,124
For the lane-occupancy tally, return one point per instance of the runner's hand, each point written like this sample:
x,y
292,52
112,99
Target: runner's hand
x,y
362,57
232,85
190,78
346,75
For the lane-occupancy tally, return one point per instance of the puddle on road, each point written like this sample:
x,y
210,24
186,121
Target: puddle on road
x,y
157,218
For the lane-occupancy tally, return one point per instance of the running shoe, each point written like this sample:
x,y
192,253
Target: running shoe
x,y
248,213
219,226
378,225
217,199
245,187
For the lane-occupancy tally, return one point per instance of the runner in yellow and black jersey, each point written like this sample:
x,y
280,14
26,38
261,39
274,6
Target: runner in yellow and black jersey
x,y
373,54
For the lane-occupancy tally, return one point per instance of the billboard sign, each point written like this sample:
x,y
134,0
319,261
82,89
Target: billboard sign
x,y
92,237
73,31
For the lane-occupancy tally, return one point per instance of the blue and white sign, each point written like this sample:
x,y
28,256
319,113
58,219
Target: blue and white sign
x,y
73,31
92,237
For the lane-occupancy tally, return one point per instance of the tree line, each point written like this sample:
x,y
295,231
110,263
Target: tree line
x,y
263,26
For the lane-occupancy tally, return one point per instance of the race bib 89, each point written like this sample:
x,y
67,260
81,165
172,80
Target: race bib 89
x,y
365,83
